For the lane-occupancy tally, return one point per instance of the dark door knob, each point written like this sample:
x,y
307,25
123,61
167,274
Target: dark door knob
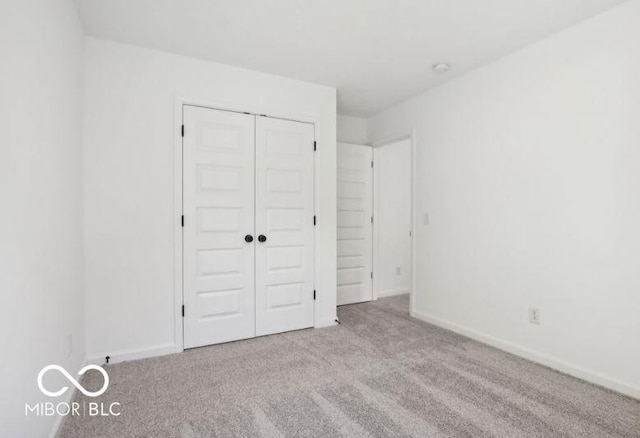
x,y
262,238
248,238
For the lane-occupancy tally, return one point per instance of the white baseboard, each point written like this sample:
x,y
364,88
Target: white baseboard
x,y
535,356
392,293
126,355
162,350
57,425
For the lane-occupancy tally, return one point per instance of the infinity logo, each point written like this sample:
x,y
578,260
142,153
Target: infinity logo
x,y
73,381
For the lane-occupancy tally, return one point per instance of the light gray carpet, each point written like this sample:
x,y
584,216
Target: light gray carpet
x,y
381,373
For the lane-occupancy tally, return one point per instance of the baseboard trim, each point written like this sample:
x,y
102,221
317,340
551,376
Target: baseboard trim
x,y
535,356
126,355
163,350
392,293
57,425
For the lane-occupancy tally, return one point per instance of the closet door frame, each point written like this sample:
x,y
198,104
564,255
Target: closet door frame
x,y
179,104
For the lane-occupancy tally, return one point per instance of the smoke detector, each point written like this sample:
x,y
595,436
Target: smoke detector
x,y
441,67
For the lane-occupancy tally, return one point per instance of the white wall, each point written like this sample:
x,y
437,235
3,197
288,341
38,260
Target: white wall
x,y
130,218
41,222
529,169
392,227
351,129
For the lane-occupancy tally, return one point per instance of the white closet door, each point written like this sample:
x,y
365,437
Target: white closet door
x,y
218,196
284,217
355,232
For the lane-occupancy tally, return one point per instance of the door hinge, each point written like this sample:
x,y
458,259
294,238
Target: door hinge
x,y
314,294
183,310
371,219
372,275
314,221
183,130
372,164
315,146
182,221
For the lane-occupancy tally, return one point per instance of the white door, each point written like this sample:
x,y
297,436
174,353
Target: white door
x,y
218,196
284,225
355,233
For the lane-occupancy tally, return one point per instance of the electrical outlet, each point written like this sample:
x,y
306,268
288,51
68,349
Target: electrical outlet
x,y
534,315
398,270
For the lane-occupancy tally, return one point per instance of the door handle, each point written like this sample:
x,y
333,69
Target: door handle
x,y
262,238
248,238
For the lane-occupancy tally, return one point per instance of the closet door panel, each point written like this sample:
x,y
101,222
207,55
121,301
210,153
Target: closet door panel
x,y
218,197
355,228
284,217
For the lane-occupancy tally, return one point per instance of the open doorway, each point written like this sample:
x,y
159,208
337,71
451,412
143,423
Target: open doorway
x,y
374,203
392,236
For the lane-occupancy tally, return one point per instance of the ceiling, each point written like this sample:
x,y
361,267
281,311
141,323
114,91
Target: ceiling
x,y
375,52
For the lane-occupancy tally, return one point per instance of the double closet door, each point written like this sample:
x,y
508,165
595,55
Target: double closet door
x,y
248,203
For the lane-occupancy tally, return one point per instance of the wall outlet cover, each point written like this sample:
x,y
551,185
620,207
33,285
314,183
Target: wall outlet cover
x,y
534,315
